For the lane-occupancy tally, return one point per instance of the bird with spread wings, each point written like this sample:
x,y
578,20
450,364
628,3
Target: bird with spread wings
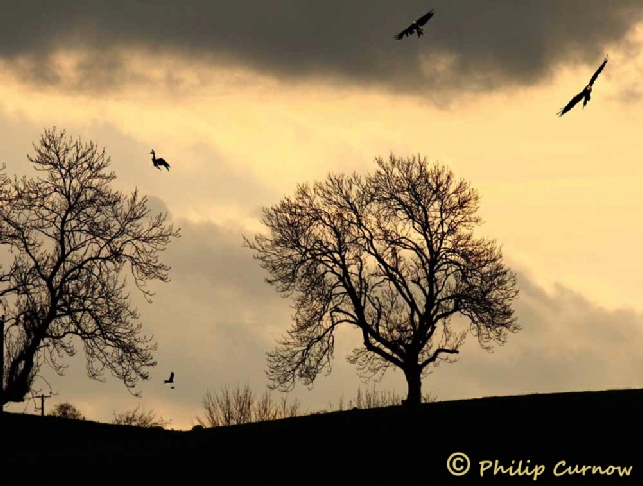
x,y
170,380
584,95
415,26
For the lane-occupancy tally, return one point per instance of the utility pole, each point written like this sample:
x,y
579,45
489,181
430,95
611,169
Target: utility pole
x,y
42,403
2,364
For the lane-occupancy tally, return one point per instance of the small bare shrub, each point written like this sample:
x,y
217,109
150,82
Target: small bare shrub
x,y
371,398
241,405
66,410
139,417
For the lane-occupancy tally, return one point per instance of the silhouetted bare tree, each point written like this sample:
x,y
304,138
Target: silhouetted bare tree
x,y
71,236
66,410
139,417
391,254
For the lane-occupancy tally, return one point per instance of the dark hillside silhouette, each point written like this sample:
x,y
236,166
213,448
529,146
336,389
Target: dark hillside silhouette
x,y
394,444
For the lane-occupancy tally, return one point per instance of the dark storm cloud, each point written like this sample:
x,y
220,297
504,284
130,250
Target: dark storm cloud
x,y
495,42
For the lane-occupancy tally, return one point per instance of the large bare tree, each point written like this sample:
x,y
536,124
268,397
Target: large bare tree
x,y
391,254
70,237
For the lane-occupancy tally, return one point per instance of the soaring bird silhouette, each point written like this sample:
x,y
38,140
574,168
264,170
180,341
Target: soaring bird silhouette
x,y
159,162
415,26
171,380
584,95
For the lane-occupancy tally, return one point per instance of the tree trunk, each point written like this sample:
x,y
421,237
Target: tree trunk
x,y
19,374
414,381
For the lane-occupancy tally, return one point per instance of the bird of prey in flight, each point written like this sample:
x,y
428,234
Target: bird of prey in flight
x,y
415,26
584,95
171,379
159,162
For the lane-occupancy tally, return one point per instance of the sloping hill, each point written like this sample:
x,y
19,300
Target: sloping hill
x,y
358,446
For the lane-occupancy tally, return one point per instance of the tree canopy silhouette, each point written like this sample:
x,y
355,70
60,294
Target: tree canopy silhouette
x,y
391,254
70,237
66,410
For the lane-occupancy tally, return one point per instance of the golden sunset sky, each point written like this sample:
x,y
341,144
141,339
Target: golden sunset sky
x,y
246,99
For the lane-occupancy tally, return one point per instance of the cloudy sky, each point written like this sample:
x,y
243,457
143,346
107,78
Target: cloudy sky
x,y
246,99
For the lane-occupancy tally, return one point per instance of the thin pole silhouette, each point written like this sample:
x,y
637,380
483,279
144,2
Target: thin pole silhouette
x,y
42,403
2,364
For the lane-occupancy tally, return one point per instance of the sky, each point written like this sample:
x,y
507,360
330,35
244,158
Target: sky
x,y
247,99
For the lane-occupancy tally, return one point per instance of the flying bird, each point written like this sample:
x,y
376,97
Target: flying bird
x,y
159,162
584,95
171,380
415,26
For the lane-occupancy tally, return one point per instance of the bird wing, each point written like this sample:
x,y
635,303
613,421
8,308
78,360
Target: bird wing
x,y
598,71
407,31
572,103
172,376
425,18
